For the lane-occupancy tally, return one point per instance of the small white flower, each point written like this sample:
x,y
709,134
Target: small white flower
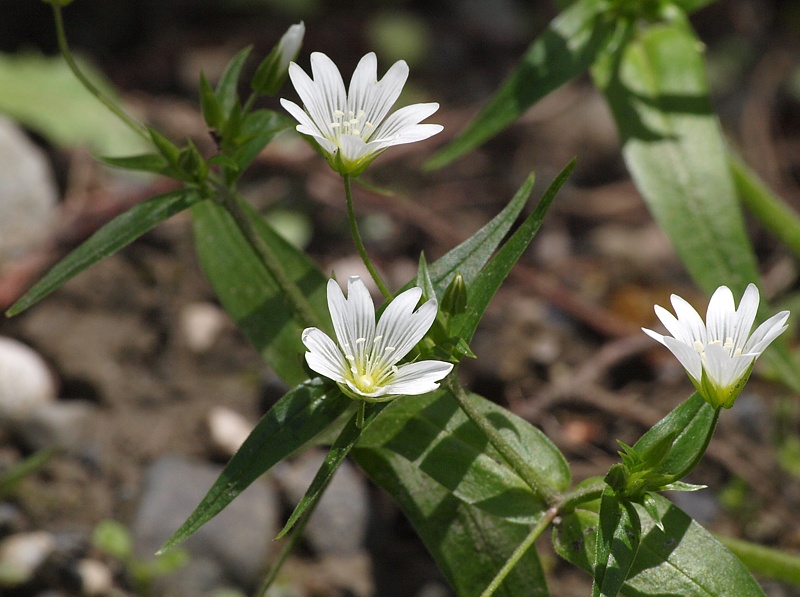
x,y
352,127
719,354
364,359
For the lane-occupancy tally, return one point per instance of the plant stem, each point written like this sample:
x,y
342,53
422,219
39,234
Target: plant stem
x,y
351,216
581,495
522,548
526,472
138,128
268,258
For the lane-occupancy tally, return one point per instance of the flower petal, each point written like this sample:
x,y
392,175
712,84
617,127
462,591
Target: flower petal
x,y
400,327
679,330
689,319
353,318
375,97
720,315
722,369
404,118
419,378
688,356
745,316
324,356
766,333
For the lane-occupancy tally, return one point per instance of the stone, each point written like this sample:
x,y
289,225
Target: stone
x,y
66,425
26,382
201,325
227,430
28,195
22,554
96,578
238,539
339,523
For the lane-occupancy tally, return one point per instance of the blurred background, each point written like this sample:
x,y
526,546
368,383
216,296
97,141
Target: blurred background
x,y
124,392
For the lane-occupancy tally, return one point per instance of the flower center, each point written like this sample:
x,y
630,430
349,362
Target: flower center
x,y
351,124
727,345
369,367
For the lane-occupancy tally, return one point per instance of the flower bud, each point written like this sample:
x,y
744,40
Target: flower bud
x,y
454,301
274,69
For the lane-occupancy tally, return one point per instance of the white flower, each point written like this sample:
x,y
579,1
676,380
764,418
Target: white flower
x,y
272,72
364,360
352,127
719,354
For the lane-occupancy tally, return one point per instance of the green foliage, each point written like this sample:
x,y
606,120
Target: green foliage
x,y
683,559
618,535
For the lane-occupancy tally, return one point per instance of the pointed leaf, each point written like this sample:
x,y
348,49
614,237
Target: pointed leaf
x,y
566,49
691,424
229,82
684,559
674,148
147,162
249,294
618,535
290,424
469,545
491,277
120,231
258,129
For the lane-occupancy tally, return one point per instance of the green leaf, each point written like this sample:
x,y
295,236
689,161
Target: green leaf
x,y
674,148
469,545
148,162
684,559
43,94
434,433
229,82
119,232
691,424
469,257
210,105
258,129
290,424
491,277
249,294
618,535
566,49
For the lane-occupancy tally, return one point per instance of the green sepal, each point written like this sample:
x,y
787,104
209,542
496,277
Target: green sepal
x,y
165,147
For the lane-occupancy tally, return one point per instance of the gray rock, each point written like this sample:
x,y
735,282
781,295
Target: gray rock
x,y
237,540
22,554
63,425
28,194
339,523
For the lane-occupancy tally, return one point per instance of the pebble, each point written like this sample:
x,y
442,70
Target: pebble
x,y
26,382
28,195
66,425
339,523
227,429
22,554
96,578
238,539
201,325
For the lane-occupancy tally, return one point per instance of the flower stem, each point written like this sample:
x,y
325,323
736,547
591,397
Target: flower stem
x,y
526,472
137,127
351,216
522,548
291,293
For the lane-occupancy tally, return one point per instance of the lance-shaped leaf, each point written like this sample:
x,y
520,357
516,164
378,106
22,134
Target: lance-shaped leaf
x,y
567,48
684,559
674,148
469,545
119,232
293,422
491,277
618,535
229,81
250,295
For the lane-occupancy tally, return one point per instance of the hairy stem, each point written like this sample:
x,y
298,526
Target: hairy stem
x,y
137,127
526,472
522,548
351,216
291,293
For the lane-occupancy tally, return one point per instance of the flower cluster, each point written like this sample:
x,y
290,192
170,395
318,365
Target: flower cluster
x,y
351,127
364,360
718,354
